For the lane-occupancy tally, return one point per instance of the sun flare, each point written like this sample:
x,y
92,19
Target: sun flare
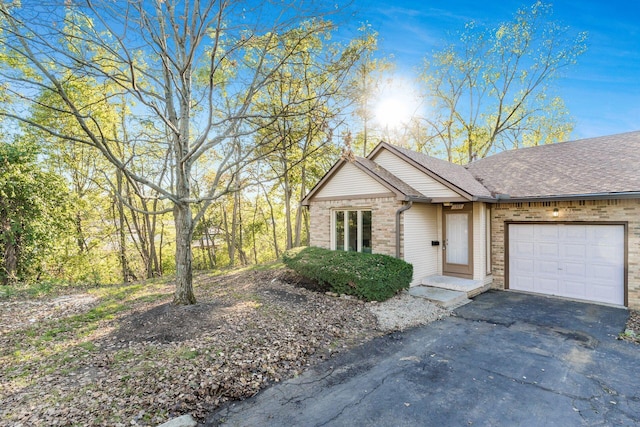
x,y
397,105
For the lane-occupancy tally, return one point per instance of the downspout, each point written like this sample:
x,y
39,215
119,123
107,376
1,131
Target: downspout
x,y
398,213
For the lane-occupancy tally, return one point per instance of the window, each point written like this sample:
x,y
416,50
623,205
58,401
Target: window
x,y
352,230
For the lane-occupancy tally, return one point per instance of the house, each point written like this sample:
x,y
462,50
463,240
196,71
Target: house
x,y
560,219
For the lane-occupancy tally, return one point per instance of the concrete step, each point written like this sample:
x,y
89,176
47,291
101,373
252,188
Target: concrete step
x,y
470,287
445,298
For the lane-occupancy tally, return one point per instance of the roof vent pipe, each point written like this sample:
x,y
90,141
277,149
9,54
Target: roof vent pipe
x,y
398,213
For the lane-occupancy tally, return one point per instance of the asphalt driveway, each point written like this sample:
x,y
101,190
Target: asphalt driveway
x,y
506,359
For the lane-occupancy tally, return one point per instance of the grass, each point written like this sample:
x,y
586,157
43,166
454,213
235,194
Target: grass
x,y
234,270
43,288
54,346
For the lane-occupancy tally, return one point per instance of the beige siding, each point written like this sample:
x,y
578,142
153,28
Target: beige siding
x,y
601,211
479,241
420,226
413,176
439,225
350,181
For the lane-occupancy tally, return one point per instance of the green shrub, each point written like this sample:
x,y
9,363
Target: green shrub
x,y
371,277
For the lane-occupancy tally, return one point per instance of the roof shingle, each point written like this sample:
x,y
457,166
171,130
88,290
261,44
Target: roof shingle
x,y
454,174
608,164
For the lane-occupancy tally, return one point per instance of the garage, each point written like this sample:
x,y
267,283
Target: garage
x,y
580,261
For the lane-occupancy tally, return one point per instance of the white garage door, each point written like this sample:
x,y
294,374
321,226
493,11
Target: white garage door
x,y
570,260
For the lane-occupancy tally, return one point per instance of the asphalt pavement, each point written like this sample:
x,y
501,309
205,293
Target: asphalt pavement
x,y
506,359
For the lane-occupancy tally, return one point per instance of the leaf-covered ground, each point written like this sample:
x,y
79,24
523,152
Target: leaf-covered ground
x,y
632,330
123,355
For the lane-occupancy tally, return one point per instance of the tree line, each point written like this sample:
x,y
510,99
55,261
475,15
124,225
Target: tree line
x,y
145,138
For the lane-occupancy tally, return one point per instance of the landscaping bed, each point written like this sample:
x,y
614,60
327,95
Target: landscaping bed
x,y
123,355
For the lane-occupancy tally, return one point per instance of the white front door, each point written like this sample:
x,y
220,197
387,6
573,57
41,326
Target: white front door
x,y
457,260
580,261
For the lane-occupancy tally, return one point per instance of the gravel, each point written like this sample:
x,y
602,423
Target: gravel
x,y
405,311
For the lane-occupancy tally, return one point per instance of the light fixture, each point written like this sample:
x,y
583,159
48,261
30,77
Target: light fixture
x,y
556,213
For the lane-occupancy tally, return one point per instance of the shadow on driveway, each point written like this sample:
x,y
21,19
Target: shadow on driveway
x,y
506,359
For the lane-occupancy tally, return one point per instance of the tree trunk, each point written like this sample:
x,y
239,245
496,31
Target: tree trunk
x,y
241,252
303,190
127,274
212,249
273,222
287,210
184,273
153,254
10,263
229,237
10,256
82,245
253,233
160,248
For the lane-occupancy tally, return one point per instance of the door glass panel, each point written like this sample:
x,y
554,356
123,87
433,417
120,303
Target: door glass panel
x,y
340,230
366,231
457,238
353,230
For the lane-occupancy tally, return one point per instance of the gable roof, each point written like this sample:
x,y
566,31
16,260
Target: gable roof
x,y
390,179
402,190
454,176
603,166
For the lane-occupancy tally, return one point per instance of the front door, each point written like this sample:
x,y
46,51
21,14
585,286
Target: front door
x,y
458,242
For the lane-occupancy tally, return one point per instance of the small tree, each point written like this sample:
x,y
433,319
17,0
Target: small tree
x,y
492,89
32,212
191,69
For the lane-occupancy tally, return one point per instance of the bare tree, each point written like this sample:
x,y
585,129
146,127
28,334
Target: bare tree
x,y
192,68
491,89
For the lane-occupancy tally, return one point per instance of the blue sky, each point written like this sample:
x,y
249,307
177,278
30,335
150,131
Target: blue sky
x,y
602,91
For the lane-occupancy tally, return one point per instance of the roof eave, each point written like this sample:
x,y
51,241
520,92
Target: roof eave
x,y
400,195
417,199
429,172
568,197
337,165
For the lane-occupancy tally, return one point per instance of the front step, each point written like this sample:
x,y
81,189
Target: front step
x,y
470,287
445,298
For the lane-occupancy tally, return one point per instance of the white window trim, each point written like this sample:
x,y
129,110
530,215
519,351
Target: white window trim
x,y
334,245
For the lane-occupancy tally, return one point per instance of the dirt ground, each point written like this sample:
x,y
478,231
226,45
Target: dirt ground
x,y
154,361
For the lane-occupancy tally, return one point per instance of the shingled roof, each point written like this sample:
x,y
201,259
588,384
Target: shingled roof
x,y
450,174
608,165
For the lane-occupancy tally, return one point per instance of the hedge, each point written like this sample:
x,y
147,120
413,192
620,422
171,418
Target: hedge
x,y
370,277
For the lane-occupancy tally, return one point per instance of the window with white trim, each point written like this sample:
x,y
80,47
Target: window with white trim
x,y
352,230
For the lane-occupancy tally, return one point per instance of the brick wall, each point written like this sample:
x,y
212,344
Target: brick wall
x,y
383,217
589,210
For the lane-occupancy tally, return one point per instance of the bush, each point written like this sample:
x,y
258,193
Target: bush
x,y
370,277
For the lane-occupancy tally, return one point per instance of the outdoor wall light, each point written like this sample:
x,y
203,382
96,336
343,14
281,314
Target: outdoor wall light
x,y
556,213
